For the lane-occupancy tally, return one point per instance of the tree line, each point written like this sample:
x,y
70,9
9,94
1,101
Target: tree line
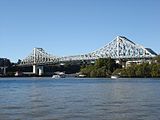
x,y
141,70
105,67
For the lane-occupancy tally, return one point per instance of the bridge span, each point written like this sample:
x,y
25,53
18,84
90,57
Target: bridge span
x,y
121,48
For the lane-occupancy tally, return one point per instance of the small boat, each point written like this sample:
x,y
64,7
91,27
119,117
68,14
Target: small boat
x,y
82,76
56,76
114,76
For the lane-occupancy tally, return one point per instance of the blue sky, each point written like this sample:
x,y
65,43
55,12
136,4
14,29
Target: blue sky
x,y
70,27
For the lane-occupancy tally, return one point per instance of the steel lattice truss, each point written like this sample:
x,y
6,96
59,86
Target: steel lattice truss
x,y
119,48
38,56
122,47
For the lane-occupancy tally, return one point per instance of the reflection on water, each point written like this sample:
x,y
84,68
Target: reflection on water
x,y
79,99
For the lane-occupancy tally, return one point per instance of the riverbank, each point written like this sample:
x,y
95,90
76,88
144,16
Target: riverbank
x,y
49,76
107,67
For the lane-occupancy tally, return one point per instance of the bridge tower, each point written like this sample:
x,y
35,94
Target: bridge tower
x,y
38,59
37,69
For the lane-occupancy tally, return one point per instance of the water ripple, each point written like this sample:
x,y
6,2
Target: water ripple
x,y
80,99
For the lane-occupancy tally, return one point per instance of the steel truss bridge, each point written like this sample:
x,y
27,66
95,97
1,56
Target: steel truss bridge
x,y
119,48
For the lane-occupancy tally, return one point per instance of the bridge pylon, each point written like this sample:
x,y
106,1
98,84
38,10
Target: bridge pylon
x,y
38,70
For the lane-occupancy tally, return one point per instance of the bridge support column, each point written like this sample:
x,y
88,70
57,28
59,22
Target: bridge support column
x,y
38,70
35,69
41,70
4,70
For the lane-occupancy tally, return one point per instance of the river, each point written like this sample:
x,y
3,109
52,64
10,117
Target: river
x,y
79,99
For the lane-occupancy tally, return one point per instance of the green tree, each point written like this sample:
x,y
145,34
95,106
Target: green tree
x,y
101,62
157,59
155,72
131,71
139,71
